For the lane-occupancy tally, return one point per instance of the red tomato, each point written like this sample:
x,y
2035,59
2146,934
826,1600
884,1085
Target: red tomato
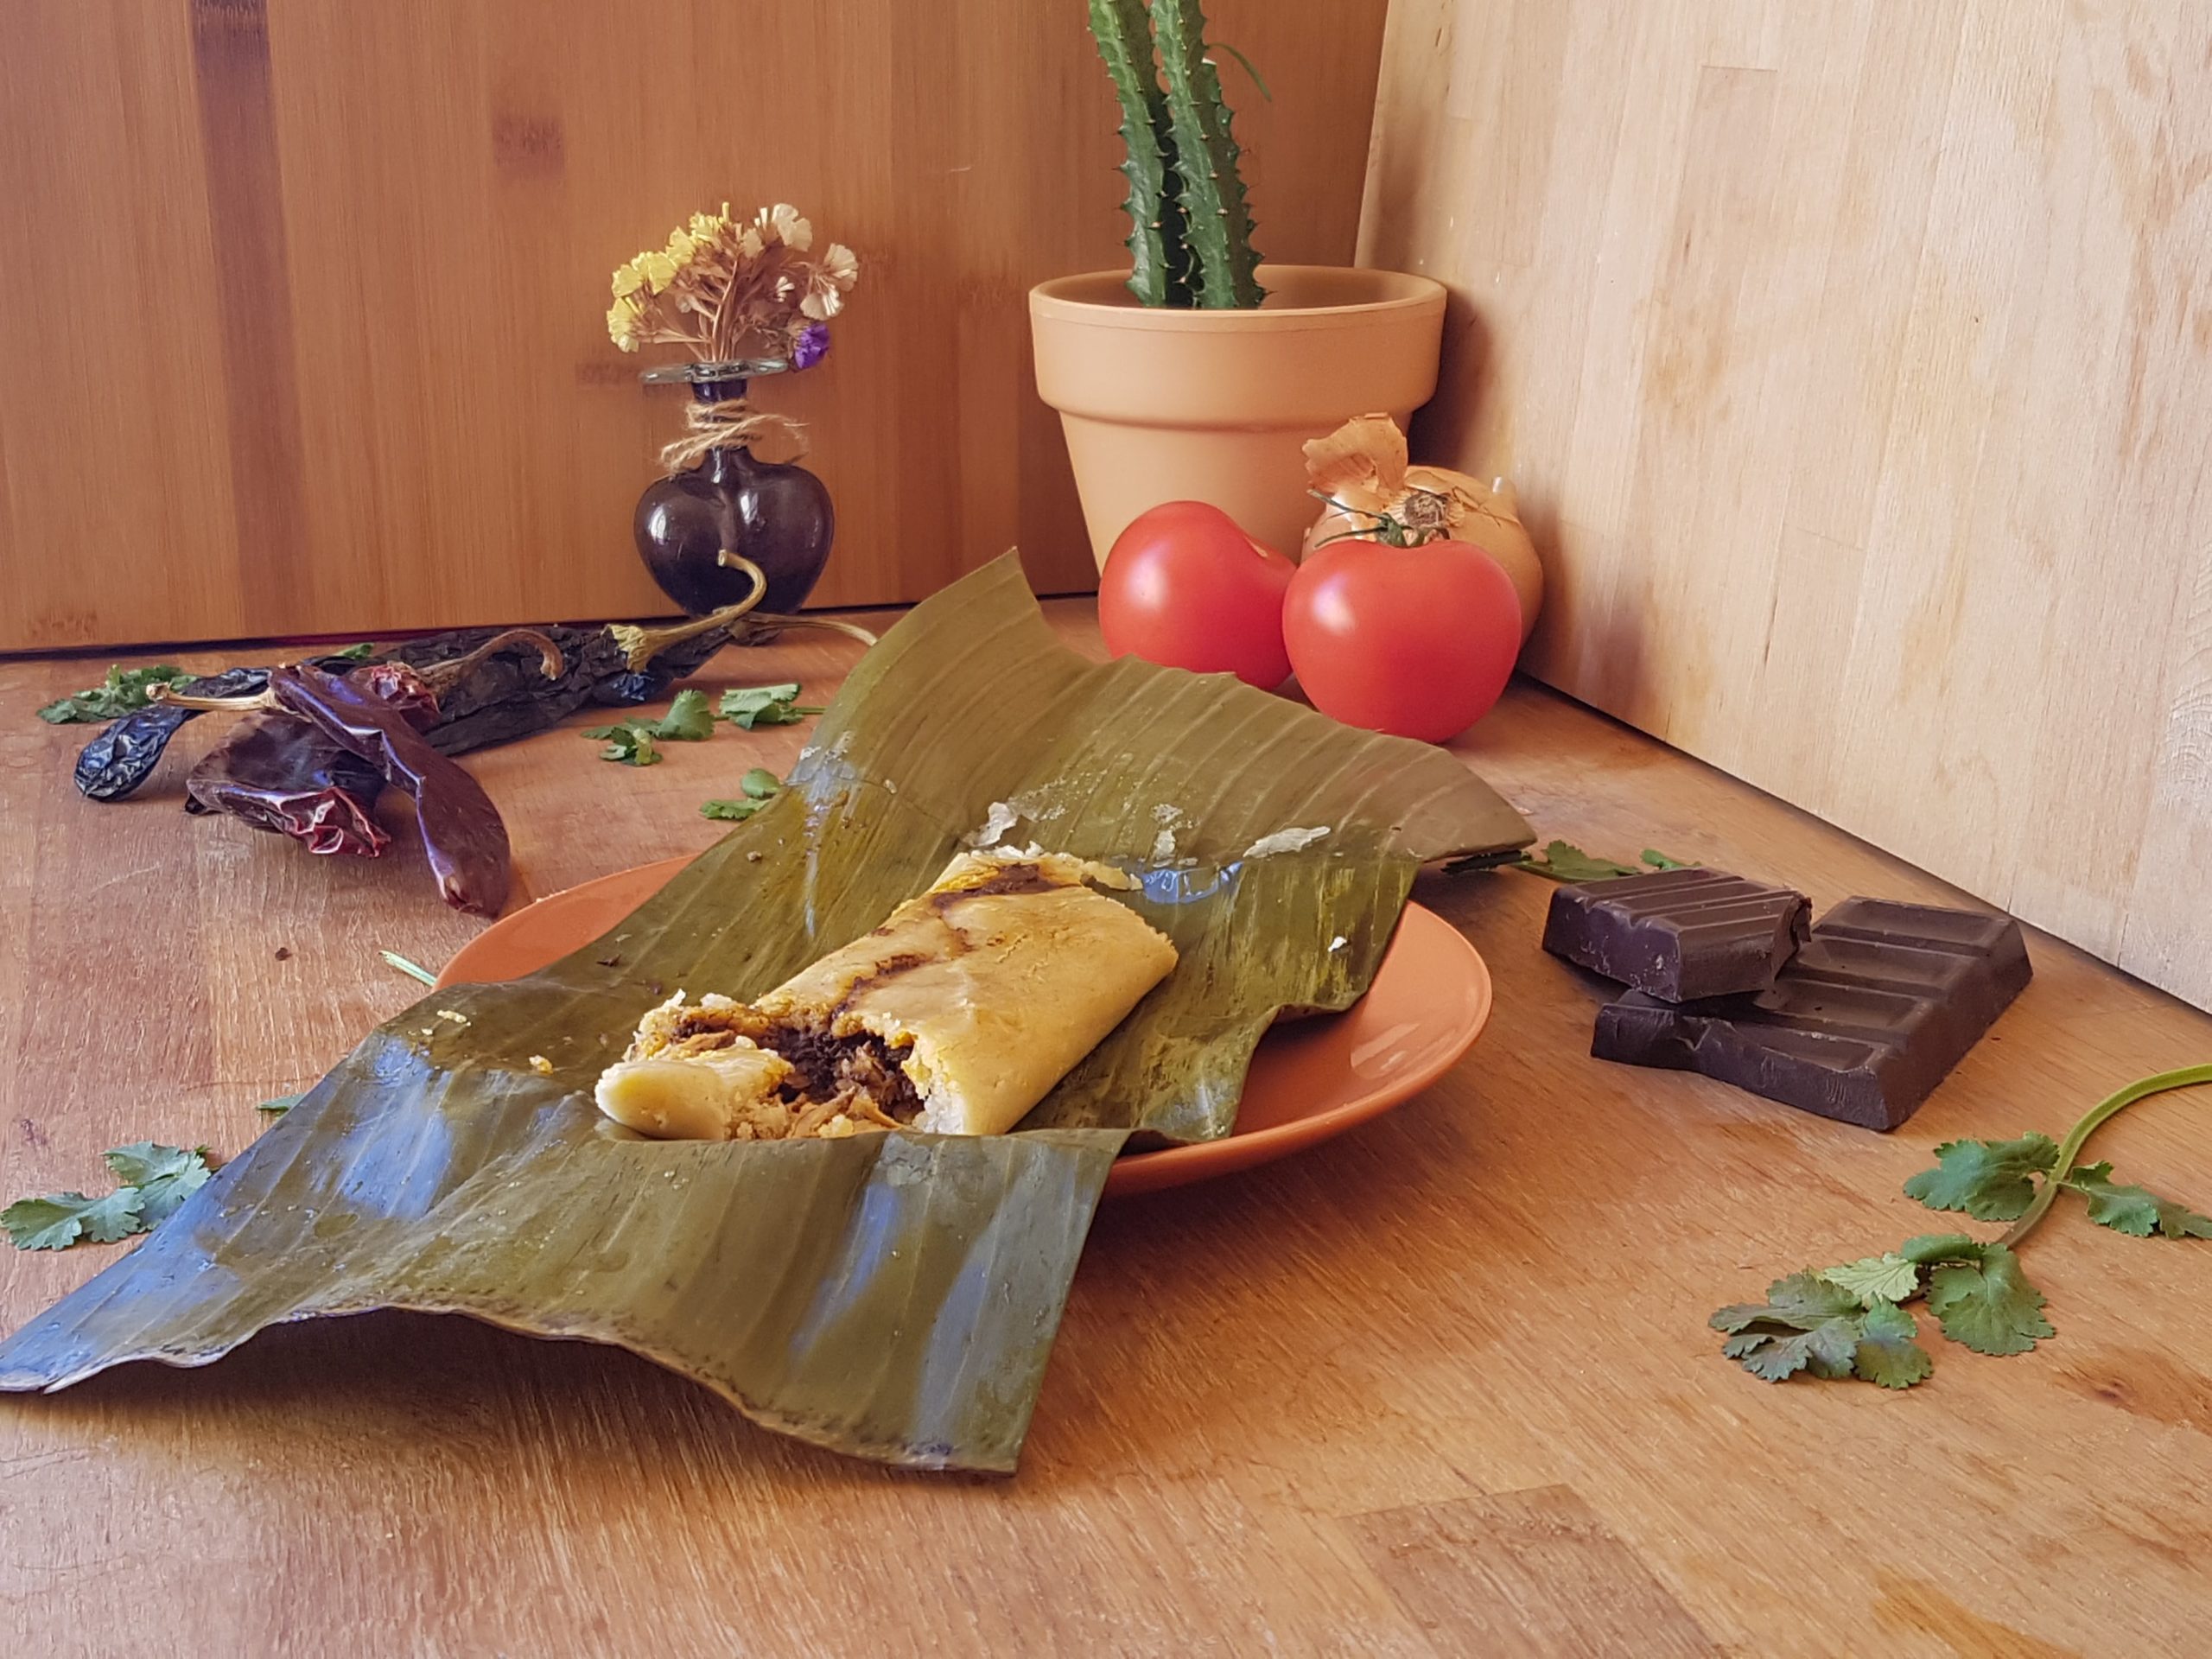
x,y
1415,641
1186,586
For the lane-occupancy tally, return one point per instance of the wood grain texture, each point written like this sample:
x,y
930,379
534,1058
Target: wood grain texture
x,y
1442,1387
1533,1572
1854,364
309,337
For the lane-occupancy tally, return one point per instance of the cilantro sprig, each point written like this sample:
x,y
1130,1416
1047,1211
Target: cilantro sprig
x,y
1562,860
690,719
1852,1320
156,1180
749,706
2001,1180
629,743
758,787
122,691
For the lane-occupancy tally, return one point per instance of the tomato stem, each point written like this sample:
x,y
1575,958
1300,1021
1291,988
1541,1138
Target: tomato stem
x,y
1391,531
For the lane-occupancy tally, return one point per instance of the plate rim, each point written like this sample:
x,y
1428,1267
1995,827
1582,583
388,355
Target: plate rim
x,y
1148,1172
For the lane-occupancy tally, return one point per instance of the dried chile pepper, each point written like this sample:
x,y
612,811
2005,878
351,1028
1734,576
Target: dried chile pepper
x,y
282,774
487,688
495,696
506,693
624,687
462,833
506,696
127,750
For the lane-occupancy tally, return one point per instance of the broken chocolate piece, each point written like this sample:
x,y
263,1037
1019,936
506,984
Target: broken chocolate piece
x,y
1877,1008
1679,934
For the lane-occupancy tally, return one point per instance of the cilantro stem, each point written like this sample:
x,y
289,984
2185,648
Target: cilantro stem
x,y
2069,1149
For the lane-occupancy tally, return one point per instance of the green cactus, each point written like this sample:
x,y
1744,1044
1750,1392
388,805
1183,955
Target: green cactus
x,y
1159,260
1216,222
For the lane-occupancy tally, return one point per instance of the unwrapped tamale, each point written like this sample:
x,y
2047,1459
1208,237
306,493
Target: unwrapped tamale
x,y
956,1016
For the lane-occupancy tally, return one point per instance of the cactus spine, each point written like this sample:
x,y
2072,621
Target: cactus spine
x,y
1189,229
1216,222
1159,259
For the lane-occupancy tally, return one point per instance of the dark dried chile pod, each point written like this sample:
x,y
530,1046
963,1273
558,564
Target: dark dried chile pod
x,y
503,697
282,774
507,695
126,751
624,687
462,833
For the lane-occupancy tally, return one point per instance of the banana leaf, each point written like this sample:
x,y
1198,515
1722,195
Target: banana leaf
x,y
892,1296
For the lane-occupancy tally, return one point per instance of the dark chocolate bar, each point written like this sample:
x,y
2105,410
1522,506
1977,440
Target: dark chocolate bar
x,y
1876,1008
1679,935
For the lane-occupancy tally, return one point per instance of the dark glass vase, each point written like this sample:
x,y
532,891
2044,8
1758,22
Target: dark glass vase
x,y
777,515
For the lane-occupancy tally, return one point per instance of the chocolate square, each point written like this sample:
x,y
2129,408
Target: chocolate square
x,y
1679,935
1873,1012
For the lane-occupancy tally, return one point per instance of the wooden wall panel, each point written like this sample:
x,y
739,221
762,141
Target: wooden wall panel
x,y
1854,362
306,323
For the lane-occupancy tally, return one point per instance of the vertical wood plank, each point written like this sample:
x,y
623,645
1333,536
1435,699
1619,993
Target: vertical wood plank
x,y
245,218
1855,366
112,415
318,345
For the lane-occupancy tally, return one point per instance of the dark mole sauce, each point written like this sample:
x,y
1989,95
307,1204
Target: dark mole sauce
x,y
1007,878
822,1066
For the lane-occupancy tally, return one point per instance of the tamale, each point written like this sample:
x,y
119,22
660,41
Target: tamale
x,y
956,1016
892,1296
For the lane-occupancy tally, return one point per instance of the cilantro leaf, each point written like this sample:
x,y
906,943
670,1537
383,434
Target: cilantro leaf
x,y
56,1222
1800,1302
1774,1355
689,720
123,690
740,697
1562,860
164,1177
749,706
1887,1355
1933,1249
155,1179
630,743
359,653
2135,1211
1990,1180
1885,1278
760,786
1990,1307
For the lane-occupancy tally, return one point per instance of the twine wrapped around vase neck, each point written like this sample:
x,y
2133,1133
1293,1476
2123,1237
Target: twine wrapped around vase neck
x,y
725,425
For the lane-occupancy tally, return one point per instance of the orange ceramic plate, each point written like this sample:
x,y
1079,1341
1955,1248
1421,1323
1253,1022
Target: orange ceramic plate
x,y
1310,1079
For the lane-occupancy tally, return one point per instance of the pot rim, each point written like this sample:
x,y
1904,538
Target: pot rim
x,y
1400,291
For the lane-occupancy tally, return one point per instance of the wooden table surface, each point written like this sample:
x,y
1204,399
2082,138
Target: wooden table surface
x,y
1442,1387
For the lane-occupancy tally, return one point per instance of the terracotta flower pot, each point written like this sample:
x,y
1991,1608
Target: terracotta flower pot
x,y
1162,405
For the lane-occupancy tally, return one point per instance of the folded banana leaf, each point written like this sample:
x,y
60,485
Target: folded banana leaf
x,y
892,1296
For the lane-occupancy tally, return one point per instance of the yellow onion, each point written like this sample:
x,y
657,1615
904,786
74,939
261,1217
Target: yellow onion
x,y
1361,471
